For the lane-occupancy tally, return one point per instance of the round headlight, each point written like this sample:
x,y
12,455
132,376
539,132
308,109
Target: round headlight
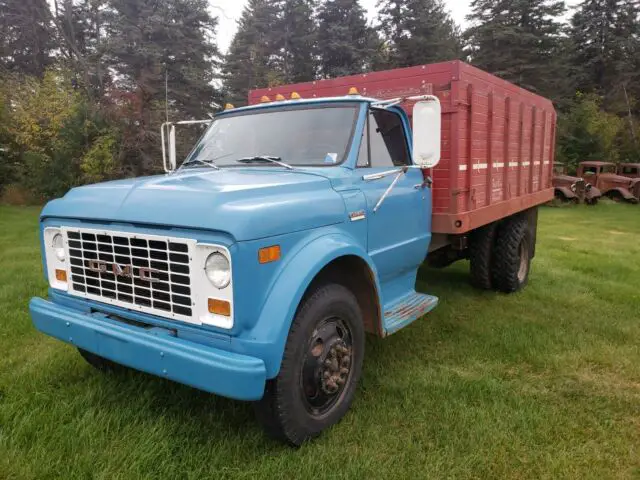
x,y
218,270
58,247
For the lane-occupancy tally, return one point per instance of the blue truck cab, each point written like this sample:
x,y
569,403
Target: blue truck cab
x,y
255,269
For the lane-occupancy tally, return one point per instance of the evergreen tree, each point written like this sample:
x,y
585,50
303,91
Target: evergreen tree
x,y
149,39
295,41
418,32
26,39
80,39
519,40
605,38
251,61
346,44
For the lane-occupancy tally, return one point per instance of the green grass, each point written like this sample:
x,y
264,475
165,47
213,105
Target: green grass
x,y
541,384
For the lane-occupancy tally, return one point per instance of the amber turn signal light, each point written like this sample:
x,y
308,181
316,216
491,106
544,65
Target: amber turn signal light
x,y
61,275
269,254
219,307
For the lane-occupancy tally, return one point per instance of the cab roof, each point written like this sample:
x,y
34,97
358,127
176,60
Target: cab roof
x,y
597,164
302,101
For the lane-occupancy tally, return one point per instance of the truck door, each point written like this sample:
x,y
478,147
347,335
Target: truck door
x,y
399,231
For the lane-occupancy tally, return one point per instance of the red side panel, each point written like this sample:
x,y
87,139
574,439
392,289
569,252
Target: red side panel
x,y
498,140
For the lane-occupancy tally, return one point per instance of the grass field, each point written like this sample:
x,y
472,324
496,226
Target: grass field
x,y
542,384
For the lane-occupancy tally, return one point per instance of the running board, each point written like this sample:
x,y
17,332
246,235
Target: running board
x,y
407,310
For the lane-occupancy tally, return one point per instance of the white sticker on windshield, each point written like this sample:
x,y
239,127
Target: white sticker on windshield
x,y
331,158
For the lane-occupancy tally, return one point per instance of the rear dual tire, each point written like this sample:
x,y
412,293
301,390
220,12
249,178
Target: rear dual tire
x,y
500,255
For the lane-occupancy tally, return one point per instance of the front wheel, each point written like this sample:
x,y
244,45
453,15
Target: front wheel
x,y
320,369
101,363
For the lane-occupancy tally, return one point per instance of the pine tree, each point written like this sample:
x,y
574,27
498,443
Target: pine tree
x,y
26,36
519,40
418,32
606,39
251,62
80,38
149,39
295,41
346,44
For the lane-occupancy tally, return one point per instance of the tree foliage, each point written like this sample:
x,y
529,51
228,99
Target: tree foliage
x,y
588,133
86,84
250,62
346,43
605,48
418,32
518,40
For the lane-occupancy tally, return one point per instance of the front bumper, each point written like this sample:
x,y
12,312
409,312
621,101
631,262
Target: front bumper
x,y
154,350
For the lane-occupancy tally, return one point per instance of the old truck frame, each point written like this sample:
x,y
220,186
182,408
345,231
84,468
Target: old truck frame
x,y
293,228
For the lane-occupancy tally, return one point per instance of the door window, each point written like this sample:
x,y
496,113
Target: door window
x,y
384,143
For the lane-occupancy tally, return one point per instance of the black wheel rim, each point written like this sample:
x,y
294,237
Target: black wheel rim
x,y
326,369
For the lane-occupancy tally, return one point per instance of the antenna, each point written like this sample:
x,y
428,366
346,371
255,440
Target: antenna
x,y
166,92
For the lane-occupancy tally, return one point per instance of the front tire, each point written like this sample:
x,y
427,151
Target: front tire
x,y
512,255
101,363
320,368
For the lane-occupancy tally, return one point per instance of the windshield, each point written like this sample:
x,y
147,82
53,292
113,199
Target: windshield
x,y
306,135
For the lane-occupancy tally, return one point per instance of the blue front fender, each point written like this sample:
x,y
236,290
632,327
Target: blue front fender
x,y
272,328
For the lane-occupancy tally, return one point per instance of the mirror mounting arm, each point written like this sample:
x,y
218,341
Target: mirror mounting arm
x,y
400,173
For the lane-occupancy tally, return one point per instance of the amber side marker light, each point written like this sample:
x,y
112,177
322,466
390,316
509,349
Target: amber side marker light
x,y
269,254
219,307
61,275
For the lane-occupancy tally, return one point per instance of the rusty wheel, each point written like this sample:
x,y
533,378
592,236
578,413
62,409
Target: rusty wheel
x,y
327,366
320,368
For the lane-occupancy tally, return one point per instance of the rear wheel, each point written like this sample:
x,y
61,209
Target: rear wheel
x,y
101,363
320,369
512,255
481,243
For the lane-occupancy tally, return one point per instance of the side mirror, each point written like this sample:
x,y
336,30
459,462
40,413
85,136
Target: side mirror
x,y
172,148
427,128
168,139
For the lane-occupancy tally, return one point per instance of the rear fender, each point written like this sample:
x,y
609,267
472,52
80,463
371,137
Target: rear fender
x,y
626,194
272,328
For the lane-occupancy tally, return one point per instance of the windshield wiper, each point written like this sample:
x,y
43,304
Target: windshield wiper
x,y
265,158
197,161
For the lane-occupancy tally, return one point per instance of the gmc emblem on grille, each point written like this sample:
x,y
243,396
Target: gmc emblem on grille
x,y
99,266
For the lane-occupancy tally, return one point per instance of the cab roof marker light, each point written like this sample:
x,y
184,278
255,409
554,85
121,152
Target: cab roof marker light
x,y
229,106
354,91
295,96
280,97
265,99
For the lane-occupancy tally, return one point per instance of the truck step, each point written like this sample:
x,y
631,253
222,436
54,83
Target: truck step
x,y
407,310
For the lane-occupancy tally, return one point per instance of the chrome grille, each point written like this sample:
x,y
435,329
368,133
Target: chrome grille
x,y
148,273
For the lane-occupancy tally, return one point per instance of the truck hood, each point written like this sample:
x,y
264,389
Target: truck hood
x,y
246,203
566,179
